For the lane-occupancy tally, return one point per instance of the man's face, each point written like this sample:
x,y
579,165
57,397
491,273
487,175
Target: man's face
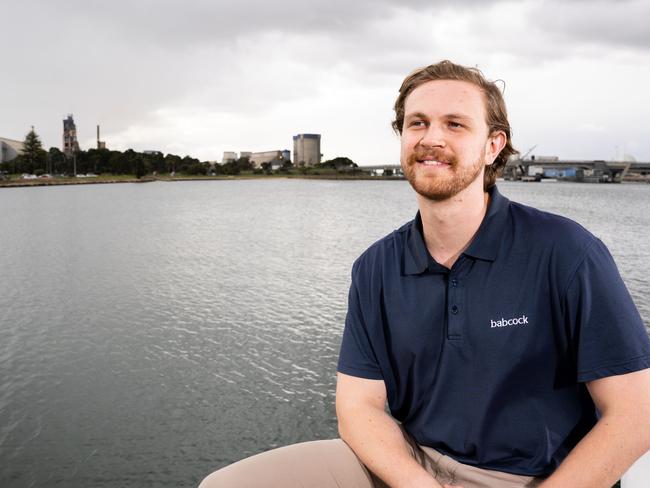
x,y
444,140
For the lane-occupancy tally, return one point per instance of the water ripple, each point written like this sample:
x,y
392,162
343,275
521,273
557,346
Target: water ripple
x,y
152,333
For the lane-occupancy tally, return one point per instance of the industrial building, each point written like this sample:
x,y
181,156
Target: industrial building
x,y
9,149
277,156
229,157
100,144
70,144
306,149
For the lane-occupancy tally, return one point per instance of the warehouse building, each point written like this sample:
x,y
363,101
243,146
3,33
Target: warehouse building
x,y
9,149
278,156
229,157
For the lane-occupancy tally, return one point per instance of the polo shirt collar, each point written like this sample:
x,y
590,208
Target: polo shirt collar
x,y
416,256
485,244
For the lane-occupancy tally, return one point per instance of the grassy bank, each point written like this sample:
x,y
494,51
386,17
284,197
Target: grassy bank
x,y
14,181
17,181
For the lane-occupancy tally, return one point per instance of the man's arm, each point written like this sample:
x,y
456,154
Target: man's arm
x,y
620,437
374,436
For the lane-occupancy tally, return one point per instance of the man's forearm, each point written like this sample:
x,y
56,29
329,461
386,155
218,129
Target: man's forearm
x,y
378,441
602,456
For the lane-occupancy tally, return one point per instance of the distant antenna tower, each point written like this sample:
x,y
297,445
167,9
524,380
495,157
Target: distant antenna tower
x,y
70,144
100,144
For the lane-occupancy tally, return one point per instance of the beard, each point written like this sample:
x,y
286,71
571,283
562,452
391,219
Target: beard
x,y
445,182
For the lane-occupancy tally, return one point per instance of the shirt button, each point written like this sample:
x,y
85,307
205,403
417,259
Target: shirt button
x,y
454,309
454,282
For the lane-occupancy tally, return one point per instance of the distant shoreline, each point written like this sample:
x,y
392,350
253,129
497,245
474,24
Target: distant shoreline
x,y
100,180
61,182
20,183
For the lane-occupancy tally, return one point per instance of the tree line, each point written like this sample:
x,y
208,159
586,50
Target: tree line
x,y
35,160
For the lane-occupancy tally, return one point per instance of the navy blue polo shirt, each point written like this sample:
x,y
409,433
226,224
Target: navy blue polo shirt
x,y
486,362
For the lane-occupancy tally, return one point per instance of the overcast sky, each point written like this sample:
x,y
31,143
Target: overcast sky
x,y
201,77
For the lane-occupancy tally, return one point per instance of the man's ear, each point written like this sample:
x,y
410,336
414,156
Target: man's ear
x,y
495,143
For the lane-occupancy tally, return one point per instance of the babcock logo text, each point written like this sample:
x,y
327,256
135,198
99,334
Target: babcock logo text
x,y
523,320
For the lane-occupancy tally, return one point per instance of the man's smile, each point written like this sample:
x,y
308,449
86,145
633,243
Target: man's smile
x,y
432,162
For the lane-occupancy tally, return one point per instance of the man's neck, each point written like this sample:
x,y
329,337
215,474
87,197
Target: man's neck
x,y
450,225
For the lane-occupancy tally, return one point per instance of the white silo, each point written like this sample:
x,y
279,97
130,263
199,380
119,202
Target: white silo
x,y
306,149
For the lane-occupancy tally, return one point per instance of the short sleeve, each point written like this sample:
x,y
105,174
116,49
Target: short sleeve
x,y
609,337
357,357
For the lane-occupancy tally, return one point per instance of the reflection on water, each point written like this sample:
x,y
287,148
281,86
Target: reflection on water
x,y
152,333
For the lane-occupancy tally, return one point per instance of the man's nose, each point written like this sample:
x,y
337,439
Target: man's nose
x,y
433,137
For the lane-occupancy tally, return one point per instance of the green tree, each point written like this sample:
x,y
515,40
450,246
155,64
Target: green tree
x,y
117,163
95,160
133,163
139,166
33,155
187,165
57,161
172,163
197,168
338,163
229,168
155,161
244,164
84,162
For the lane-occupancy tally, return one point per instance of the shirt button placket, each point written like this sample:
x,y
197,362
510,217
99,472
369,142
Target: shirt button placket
x,y
454,322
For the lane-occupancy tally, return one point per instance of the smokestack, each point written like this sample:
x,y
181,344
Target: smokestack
x,y
100,144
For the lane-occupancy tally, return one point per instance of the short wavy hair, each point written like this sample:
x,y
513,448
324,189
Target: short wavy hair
x,y
495,106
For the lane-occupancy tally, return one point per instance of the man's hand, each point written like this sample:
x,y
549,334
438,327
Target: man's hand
x,y
375,437
619,438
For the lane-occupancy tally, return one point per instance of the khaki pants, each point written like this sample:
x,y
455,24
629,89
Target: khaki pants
x,y
332,464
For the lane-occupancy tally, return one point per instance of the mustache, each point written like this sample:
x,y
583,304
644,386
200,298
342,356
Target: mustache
x,y
436,154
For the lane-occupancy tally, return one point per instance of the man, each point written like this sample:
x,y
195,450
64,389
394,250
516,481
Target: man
x,y
502,338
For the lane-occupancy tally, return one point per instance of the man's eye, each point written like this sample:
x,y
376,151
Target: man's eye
x,y
417,123
455,125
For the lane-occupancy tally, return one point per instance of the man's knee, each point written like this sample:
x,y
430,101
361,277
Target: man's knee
x,y
309,464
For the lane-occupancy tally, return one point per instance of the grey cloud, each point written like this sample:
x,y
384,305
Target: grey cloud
x,y
541,31
175,23
117,62
142,52
622,23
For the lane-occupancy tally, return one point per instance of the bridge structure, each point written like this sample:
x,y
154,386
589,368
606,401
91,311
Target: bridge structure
x,y
596,171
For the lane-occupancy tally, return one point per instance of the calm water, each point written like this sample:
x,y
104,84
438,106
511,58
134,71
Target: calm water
x,y
150,333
